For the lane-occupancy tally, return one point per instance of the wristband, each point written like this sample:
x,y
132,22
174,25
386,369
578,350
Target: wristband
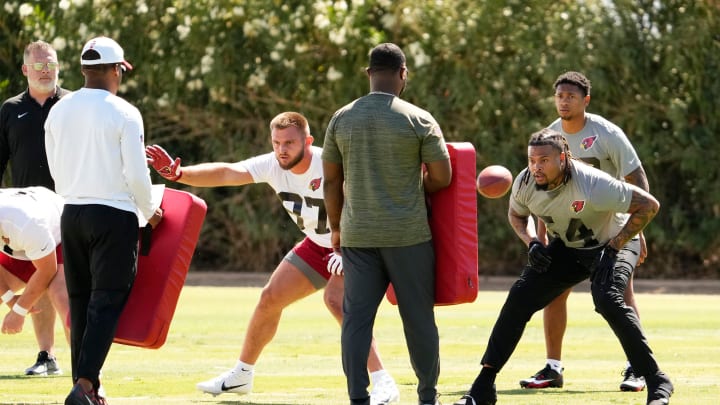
x,y
9,294
19,310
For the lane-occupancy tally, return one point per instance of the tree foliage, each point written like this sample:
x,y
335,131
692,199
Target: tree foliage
x,y
211,74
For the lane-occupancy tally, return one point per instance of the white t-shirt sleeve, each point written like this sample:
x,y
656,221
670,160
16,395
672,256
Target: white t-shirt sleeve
x,y
260,167
135,167
36,241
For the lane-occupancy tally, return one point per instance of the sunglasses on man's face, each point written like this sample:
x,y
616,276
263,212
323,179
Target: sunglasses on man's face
x,y
39,66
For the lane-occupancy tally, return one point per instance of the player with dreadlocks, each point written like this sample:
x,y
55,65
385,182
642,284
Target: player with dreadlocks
x,y
598,142
559,143
582,208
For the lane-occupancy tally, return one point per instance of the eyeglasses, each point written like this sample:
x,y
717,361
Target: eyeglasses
x,y
39,66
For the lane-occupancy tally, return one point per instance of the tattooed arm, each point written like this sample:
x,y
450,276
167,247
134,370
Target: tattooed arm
x,y
638,178
643,207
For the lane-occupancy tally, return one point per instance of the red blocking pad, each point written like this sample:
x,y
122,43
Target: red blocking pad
x,y
145,321
453,222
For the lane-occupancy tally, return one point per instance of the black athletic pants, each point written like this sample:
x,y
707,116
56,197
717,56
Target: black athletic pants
x,y
533,291
100,253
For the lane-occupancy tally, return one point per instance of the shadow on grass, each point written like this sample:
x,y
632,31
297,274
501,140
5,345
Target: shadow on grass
x,y
521,392
28,377
244,402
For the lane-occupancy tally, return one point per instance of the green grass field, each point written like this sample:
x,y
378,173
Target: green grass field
x,y
302,365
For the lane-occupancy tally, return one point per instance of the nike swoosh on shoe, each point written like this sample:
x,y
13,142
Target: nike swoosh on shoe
x,y
232,387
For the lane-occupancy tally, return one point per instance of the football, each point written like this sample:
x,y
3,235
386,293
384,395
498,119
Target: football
x,y
494,181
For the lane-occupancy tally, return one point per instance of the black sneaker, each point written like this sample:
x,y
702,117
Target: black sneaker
x,y
659,389
631,382
45,365
545,378
487,398
78,396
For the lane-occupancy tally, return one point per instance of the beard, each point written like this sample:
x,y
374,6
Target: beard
x,y
45,87
541,187
293,162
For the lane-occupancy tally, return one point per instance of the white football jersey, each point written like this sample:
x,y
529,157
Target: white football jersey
x,y
301,194
30,222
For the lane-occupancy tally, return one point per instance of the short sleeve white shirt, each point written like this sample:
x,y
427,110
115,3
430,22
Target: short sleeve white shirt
x,y
29,222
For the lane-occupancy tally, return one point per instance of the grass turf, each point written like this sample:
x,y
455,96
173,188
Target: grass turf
x,y
302,364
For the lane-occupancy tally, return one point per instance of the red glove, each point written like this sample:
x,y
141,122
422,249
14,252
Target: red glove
x,y
163,163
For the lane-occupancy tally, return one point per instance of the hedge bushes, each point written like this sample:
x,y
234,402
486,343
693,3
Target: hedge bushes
x,y
210,74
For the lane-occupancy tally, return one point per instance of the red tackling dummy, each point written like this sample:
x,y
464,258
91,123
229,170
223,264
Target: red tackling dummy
x,y
145,321
453,222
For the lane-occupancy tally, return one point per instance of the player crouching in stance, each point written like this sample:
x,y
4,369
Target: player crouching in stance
x,y
31,259
580,206
294,171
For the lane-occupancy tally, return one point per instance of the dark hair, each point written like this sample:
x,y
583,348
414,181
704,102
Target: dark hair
x,y
547,136
99,68
386,56
576,79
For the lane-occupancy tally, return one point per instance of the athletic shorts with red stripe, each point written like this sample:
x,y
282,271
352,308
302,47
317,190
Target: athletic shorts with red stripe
x,y
24,269
311,259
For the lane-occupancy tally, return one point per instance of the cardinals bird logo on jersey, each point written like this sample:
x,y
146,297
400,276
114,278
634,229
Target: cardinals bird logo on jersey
x,y
588,142
578,205
315,183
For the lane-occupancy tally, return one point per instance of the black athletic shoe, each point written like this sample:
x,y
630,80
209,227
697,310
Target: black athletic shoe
x,y
632,382
486,398
659,389
78,396
45,365
545,378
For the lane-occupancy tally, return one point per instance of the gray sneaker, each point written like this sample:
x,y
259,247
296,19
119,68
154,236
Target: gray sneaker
x,y
45,365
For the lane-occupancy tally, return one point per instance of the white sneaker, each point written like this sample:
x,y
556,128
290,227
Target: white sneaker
x,y
101,391
385,391
236,382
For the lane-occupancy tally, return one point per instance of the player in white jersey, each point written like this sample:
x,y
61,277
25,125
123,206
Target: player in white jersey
x,y
294,171
31,257
603,145
584,211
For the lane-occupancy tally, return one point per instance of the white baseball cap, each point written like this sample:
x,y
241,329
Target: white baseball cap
x,y
107,51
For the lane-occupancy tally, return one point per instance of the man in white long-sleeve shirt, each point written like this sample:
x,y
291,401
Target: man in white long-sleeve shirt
x,y
96,154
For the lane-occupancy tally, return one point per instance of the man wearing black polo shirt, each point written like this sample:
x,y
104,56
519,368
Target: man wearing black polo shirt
x,y
22,144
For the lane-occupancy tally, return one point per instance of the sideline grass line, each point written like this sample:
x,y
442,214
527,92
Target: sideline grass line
x,y
302,364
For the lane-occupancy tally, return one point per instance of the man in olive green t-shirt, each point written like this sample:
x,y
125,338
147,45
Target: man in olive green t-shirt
x,y
381,155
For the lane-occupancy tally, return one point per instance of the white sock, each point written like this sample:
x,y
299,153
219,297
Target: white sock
x,y
243,367
376,376
555,365
627,365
